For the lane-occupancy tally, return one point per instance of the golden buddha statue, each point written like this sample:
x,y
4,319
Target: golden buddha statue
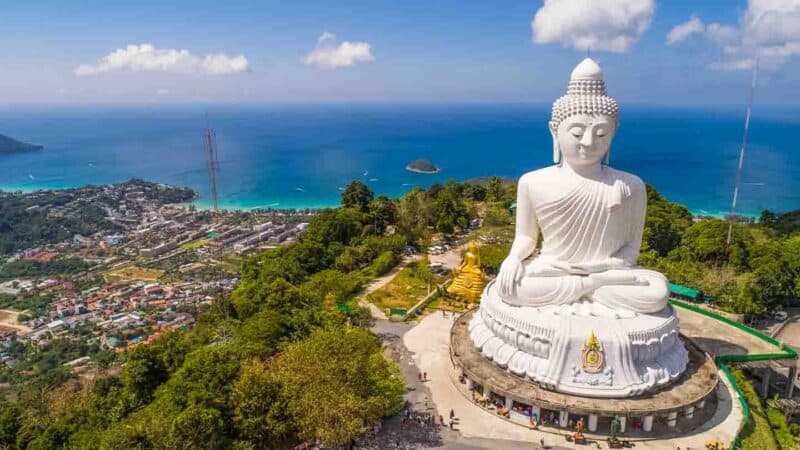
x,y
468,279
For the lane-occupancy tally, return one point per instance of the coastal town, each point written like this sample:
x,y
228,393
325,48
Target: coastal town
x,y
152,262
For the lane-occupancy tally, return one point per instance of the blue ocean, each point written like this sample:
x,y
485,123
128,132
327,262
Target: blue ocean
x,y
295,156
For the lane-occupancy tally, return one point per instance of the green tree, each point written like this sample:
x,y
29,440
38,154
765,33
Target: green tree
x,y
449,209
198,427
414,214
665,223
382,213
494,190
475,191
334,225
144,371
497,217
259,410
492,256
750,300
706,241
357,195
9,424
205,379
337,383
331,286
383,264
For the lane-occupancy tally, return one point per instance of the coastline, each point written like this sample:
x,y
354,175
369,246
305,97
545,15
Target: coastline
x,y
267,152
204,203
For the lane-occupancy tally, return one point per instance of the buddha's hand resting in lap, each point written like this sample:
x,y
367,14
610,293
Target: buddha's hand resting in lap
x,y
510,271
546,267
598,266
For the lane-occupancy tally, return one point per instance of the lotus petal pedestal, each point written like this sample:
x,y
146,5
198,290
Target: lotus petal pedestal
x,y
580,354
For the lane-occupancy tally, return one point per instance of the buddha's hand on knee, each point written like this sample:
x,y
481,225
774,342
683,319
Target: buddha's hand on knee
x,y
510,271
545,267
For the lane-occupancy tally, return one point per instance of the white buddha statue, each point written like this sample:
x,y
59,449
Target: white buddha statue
x,y
590,216
537,316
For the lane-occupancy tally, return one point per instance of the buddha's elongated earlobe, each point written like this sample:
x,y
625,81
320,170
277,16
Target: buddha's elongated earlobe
x,y
557,156
607,158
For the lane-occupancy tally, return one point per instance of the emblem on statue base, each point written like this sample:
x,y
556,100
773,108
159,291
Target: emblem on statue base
x,y
594,357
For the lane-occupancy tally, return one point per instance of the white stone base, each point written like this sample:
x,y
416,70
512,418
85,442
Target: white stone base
x,y
641,353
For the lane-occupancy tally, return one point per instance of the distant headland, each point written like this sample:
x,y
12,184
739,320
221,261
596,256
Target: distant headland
x,y
422,166
11,145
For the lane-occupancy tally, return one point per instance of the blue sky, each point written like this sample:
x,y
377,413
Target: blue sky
x,y
409,51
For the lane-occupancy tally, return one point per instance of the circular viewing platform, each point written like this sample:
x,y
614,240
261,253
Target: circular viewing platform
x,y
691,396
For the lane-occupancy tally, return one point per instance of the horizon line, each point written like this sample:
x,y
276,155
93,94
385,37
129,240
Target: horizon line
x,y
369,103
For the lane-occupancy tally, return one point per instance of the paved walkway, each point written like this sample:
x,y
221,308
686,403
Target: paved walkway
x,y
411,435
429,342
719,338
449,259
790,333
380,282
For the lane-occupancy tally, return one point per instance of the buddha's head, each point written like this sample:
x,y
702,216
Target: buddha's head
x,y
585,120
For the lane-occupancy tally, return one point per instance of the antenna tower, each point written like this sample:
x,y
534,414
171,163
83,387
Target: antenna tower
x,y
210,141
732,216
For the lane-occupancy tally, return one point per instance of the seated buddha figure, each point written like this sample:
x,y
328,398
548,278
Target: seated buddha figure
x,y
468,278
589,216
578,315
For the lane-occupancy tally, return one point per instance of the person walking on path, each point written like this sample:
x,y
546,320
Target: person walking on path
x,y
452,413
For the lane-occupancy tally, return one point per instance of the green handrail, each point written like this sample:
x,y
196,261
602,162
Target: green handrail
x,y
723,360
398,312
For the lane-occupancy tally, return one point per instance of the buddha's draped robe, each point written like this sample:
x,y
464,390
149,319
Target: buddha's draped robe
x,y
594,221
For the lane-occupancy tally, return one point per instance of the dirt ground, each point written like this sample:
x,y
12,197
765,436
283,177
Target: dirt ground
x,y
8,319
133,273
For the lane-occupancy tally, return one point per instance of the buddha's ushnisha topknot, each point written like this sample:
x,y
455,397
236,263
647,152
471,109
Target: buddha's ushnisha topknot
x,y
586,94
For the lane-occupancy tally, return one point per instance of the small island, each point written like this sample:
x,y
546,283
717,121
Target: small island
x,y
422,166
11,145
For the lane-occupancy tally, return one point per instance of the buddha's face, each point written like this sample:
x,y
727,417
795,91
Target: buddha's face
x,y
584,139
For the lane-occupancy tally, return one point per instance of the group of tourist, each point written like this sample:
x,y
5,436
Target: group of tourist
x,y
411,417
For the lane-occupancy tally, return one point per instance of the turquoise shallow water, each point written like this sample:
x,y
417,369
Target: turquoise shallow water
x,y
300,155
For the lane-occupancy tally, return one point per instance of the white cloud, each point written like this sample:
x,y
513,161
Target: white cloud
x,y
722,34
148,58
330,56
611,25
768,32
162,91
325,36
682,31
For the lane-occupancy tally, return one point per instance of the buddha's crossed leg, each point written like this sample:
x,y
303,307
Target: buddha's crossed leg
x,y
637,290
